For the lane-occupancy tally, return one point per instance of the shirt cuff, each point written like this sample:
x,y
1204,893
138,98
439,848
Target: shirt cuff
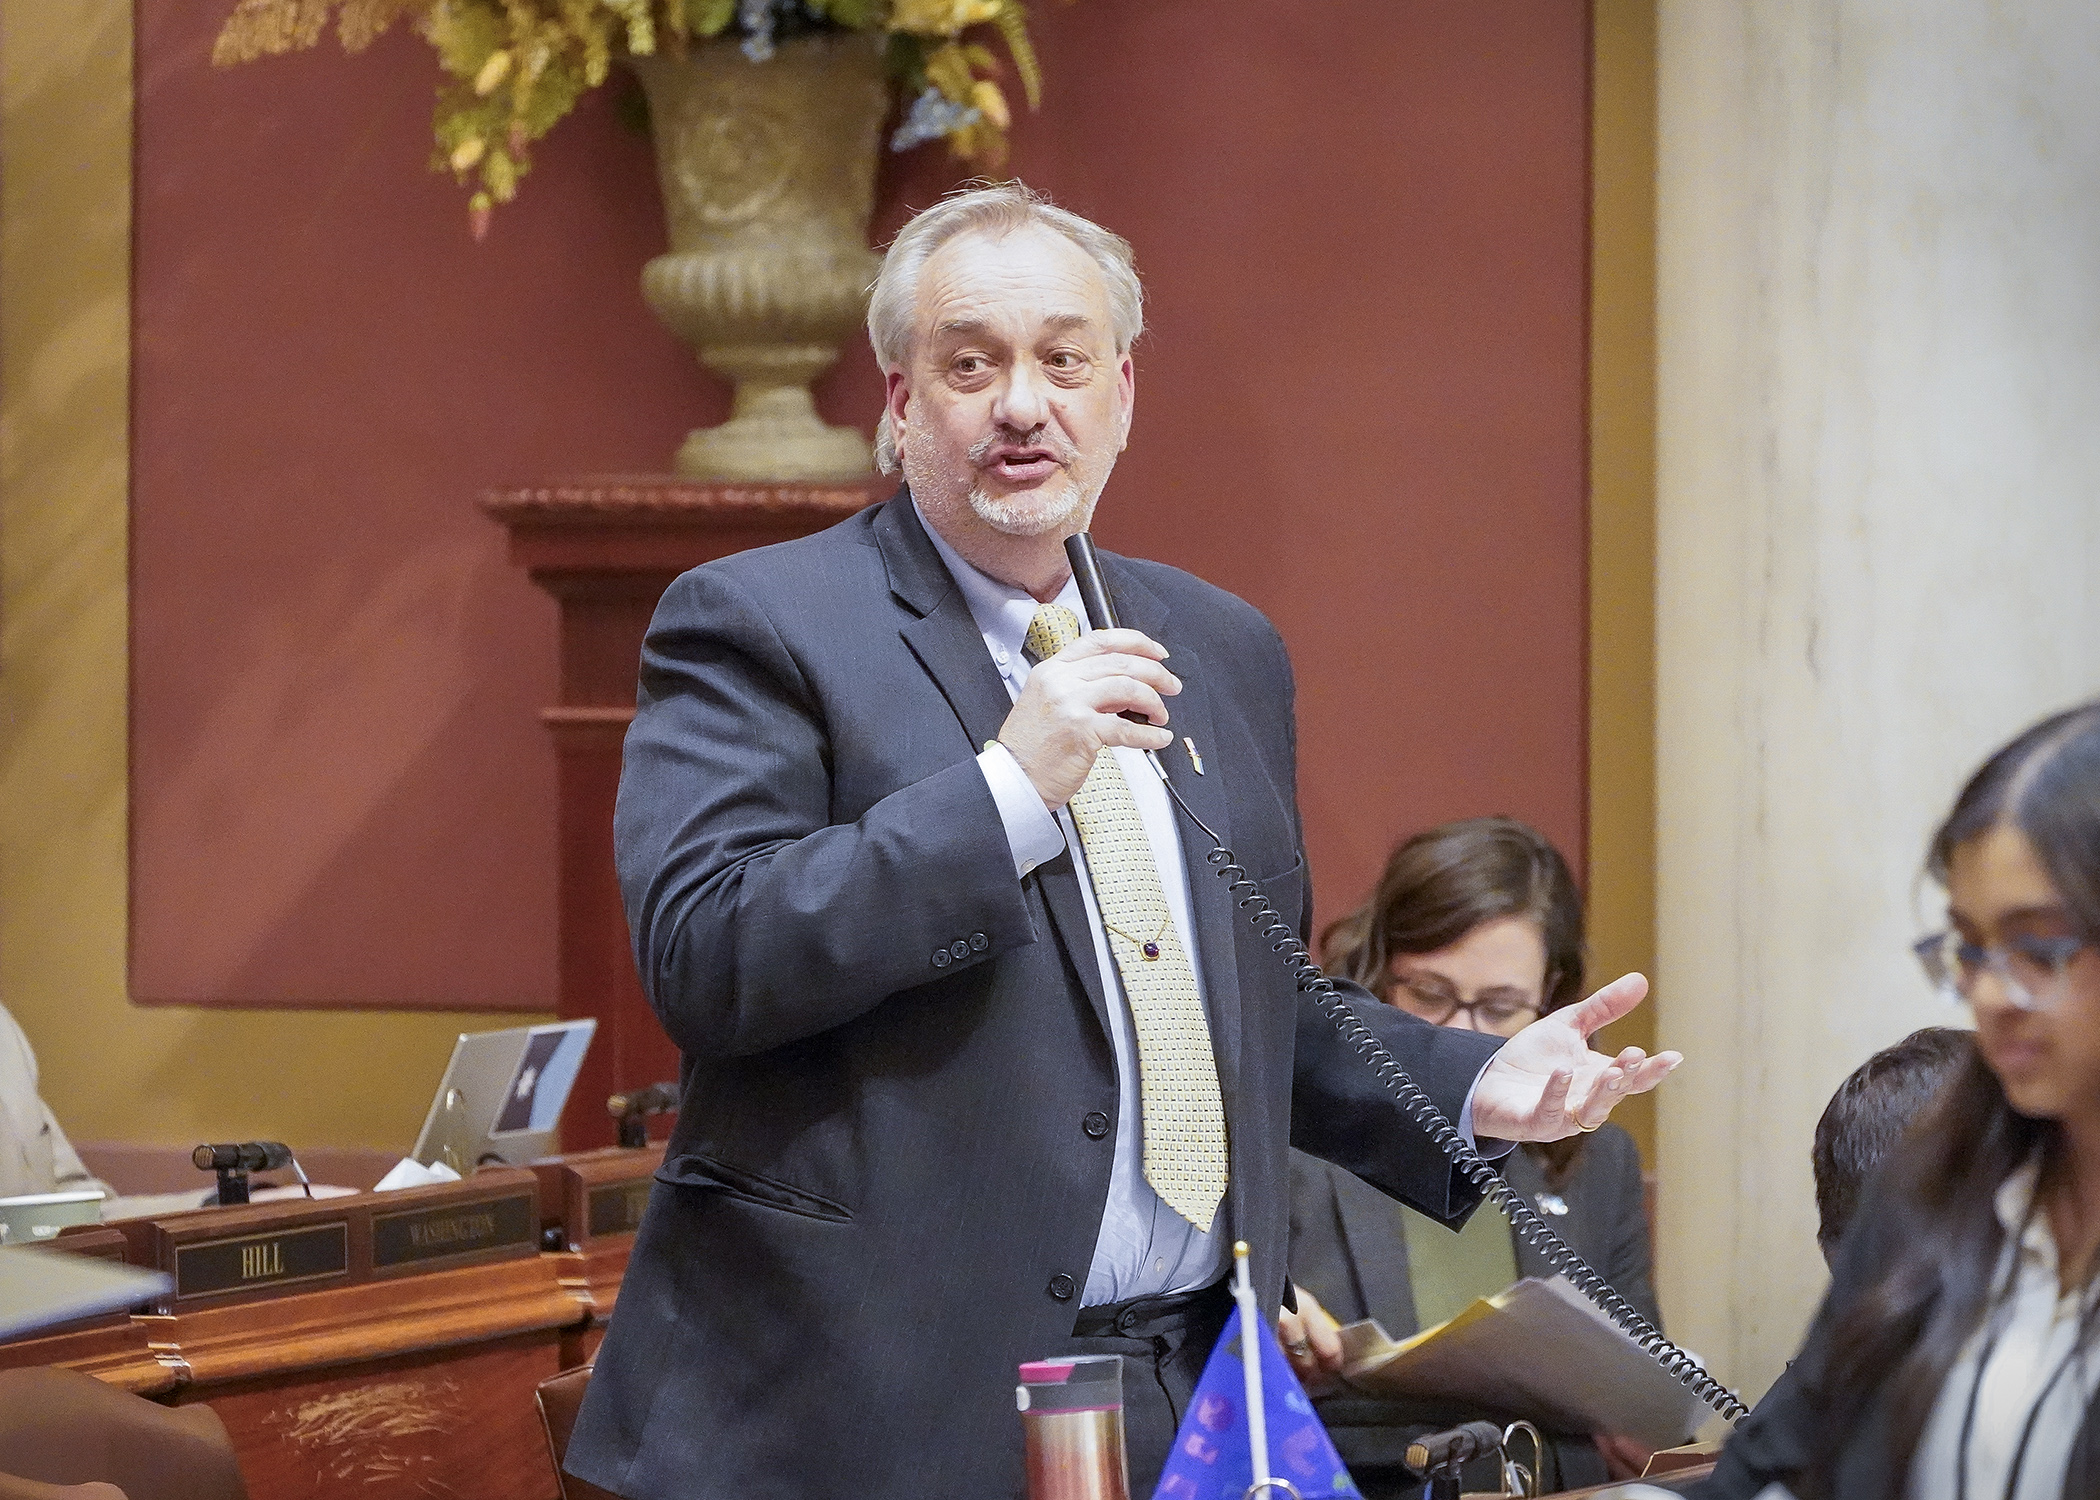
x,y
1031,830
1490,1149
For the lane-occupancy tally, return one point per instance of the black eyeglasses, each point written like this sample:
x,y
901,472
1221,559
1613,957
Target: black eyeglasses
x,y
2030,970
1437,1005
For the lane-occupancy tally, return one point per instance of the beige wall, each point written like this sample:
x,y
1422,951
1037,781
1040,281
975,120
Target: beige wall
x,y
111,1070
1878,554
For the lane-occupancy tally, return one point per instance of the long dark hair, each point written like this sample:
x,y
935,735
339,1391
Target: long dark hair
x,y
1441,884
1896,1342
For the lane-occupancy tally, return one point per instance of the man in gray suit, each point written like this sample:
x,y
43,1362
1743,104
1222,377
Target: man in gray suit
x,y
979,1065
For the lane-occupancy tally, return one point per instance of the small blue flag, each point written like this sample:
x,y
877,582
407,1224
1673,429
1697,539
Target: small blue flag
x,y
1213,1457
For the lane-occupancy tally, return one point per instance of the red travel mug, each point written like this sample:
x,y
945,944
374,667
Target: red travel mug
x,y
1072,1416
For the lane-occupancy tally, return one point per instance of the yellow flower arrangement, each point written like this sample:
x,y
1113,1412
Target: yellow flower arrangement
x,y
516,67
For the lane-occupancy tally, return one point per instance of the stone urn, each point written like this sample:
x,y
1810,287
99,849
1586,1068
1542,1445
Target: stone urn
x,y
768,173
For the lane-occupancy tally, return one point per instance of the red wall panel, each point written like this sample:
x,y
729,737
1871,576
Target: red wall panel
x,y
1360,405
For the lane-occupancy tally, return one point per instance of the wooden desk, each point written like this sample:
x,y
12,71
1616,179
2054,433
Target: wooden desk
x,y
592,1204
400,1363
421,1386
112,1349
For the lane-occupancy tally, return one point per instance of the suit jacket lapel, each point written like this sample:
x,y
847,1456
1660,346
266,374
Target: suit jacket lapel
x,y
948,644
943,635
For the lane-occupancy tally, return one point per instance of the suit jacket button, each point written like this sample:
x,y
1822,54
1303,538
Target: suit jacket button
x,y
959,949
1095,1124
1061,1287
941,960
979,942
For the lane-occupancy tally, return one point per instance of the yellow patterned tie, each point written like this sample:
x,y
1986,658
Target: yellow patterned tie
x,y
1184,1119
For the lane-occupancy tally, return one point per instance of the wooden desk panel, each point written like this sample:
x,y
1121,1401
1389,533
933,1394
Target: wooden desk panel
x,y
457,1423
292,1335
113,1350
420,1386
593,1278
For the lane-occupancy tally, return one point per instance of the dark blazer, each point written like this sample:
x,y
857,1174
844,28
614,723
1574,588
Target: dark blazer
x,y
1347,1245
888,1171
1347,1249
1776,1441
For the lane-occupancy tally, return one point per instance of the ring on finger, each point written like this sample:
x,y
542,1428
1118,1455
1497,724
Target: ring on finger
x,y
1299,1350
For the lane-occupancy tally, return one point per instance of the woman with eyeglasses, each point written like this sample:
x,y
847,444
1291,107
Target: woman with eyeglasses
x,y
1475,924
1955,1355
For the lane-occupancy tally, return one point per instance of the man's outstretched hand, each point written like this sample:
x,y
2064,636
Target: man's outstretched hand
x,y
1546,1083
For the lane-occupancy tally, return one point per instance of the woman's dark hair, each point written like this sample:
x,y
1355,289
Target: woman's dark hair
x,y
1440,885
1444,882
1896,1341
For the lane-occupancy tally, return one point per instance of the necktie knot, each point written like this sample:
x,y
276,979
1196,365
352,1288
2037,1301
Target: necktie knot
x,y
1053,628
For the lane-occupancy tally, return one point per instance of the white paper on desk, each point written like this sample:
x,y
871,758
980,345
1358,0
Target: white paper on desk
x,y
408,1172
1538,1350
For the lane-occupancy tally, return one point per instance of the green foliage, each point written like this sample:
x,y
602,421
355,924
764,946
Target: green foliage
x,y
1012,21
515,68
854,15
708,17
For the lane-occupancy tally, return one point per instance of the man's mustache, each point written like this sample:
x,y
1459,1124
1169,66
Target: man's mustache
x,y
1056,445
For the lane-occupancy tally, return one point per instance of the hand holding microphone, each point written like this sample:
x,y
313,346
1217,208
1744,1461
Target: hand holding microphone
x,y
1103,689
1069,711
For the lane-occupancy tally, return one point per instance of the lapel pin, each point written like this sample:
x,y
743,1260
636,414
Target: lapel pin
x,y
1194,759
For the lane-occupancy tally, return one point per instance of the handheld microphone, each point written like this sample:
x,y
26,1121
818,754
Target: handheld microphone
x,y
1086,572
1100,610
247,1156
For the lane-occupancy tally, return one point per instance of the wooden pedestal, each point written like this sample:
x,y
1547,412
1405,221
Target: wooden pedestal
x,y
606,549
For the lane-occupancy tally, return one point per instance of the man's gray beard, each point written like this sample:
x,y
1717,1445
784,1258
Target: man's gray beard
x,y
1010,514
1017,515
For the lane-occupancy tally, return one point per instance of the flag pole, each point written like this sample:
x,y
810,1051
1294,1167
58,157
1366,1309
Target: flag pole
x,y
1250,1363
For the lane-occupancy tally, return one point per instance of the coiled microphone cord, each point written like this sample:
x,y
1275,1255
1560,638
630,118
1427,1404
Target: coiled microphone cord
x,y
1422,1109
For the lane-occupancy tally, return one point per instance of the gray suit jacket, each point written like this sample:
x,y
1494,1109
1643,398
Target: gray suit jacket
x,y
888,1171
1347,1248
1346,1243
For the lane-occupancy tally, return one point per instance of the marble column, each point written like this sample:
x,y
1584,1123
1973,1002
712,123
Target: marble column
x,y
1878,553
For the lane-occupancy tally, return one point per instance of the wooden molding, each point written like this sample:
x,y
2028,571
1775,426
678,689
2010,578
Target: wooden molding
x,y
372,1320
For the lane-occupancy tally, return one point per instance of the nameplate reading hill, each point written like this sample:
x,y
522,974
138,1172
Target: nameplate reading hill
x,y
317,1252
455,1231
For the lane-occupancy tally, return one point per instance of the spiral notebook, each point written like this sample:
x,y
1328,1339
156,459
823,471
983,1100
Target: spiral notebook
x,y
1538,1350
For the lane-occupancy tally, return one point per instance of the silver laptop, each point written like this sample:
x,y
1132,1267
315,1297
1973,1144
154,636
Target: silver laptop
x,y
34,1217
502,1096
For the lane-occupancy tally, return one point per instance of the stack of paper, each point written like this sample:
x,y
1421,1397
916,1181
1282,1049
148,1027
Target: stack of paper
x,y
1538,1350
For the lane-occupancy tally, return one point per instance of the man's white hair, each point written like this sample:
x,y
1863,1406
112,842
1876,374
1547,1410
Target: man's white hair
x,y
998,210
